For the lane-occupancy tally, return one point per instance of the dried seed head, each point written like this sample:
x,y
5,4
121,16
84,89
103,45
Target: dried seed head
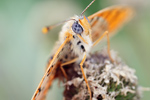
x,y
108,81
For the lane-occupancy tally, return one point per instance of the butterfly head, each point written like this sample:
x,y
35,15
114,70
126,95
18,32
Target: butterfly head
x,y
81,26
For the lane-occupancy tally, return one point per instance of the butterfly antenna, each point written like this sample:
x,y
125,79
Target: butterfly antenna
x,y
48,28
87,7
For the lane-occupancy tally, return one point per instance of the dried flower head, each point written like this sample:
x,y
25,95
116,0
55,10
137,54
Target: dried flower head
x,y
108,81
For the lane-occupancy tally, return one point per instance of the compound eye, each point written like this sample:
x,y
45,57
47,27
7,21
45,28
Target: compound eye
x,y
77,28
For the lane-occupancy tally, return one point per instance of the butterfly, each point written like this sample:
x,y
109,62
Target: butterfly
x,y
78,36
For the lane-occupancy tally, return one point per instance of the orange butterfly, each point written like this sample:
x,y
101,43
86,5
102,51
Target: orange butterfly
x,y
78,35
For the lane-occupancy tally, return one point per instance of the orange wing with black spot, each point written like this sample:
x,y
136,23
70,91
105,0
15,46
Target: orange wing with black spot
x,y
45,83
109,19
49,75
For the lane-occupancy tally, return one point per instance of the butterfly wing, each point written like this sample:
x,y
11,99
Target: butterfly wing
x,y
109,19
46,82
49,75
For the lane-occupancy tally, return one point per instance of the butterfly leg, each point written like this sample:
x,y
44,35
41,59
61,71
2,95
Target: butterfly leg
x,y
67,63
108,43
108,48
81,64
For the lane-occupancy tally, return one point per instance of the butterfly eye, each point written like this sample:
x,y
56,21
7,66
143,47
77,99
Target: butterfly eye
x,y
77,28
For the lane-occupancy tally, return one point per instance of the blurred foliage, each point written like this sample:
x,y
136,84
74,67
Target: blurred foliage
x,y
24,49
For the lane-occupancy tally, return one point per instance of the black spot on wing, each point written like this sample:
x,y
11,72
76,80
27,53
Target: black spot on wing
x,y
74,37
82,47
78,42
48,74
48,70
39,89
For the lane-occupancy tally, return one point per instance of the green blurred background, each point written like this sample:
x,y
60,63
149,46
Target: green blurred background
x,y
24,50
